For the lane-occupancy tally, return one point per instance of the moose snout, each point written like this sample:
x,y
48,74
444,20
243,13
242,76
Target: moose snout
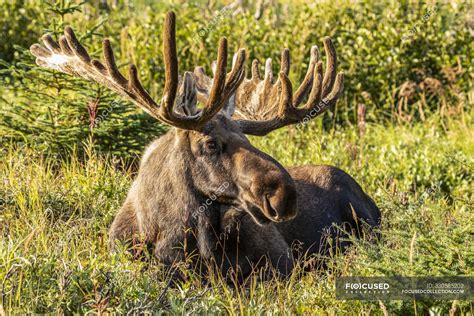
x,y
278,194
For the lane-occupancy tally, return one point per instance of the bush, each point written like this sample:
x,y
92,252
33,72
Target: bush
x,y
403,60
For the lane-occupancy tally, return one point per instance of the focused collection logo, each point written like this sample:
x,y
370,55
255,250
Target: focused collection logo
x,y
367,287
404,288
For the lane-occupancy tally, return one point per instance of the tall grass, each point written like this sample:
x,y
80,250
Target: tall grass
x,y
62,182
55,215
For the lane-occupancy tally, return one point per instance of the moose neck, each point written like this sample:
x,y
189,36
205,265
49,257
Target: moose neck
x,y
166,183
164,174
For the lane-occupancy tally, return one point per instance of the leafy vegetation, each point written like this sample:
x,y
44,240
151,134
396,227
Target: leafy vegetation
x,y
404,61
63,178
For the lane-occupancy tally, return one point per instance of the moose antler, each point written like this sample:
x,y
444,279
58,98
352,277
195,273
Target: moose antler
x,y
69,56
203,82
262,105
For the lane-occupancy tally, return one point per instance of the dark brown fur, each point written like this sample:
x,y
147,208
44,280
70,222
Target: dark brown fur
x,y
177,177
244,246
326,196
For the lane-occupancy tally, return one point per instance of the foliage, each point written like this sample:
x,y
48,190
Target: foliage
x,y
21,24
49,110
404,60
63,179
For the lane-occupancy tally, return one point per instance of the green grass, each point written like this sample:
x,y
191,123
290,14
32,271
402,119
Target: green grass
x,y
55,215
415,160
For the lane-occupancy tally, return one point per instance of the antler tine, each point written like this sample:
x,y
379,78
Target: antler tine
x,y
170,59
331,64
336,91
286,97
265,106
255,71
237,74
135,85
203,83
316,92
65,46
268,71
110,64
74,44
51,44
232,82
39,51
69,56
305,86
285,61
186,100
215,101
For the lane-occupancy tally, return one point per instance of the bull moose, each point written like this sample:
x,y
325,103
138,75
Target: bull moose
x,y
271,207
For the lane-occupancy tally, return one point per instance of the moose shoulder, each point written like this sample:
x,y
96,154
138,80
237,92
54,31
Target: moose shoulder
x,y
177,203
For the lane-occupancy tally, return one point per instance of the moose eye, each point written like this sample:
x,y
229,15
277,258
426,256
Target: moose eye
x,y
211,146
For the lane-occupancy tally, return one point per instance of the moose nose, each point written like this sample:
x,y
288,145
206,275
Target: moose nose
x,y
279,197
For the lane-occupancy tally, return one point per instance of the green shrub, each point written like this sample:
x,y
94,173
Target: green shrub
x,y
404,60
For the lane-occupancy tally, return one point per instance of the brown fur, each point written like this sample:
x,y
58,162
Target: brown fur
x,y
178,176
326,196
245,246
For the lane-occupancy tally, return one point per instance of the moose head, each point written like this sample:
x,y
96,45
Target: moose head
x,y
206,146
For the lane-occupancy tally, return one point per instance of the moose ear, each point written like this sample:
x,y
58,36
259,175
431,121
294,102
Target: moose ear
x,y
229,107
187,96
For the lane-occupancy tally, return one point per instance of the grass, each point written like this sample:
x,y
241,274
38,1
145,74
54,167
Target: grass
x,y
55,215
55,211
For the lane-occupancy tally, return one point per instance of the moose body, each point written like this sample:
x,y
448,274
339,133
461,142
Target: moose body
x,y
264,208
163,210
327,197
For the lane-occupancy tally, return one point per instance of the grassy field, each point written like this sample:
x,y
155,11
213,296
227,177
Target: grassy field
x,y
55,216
62,182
